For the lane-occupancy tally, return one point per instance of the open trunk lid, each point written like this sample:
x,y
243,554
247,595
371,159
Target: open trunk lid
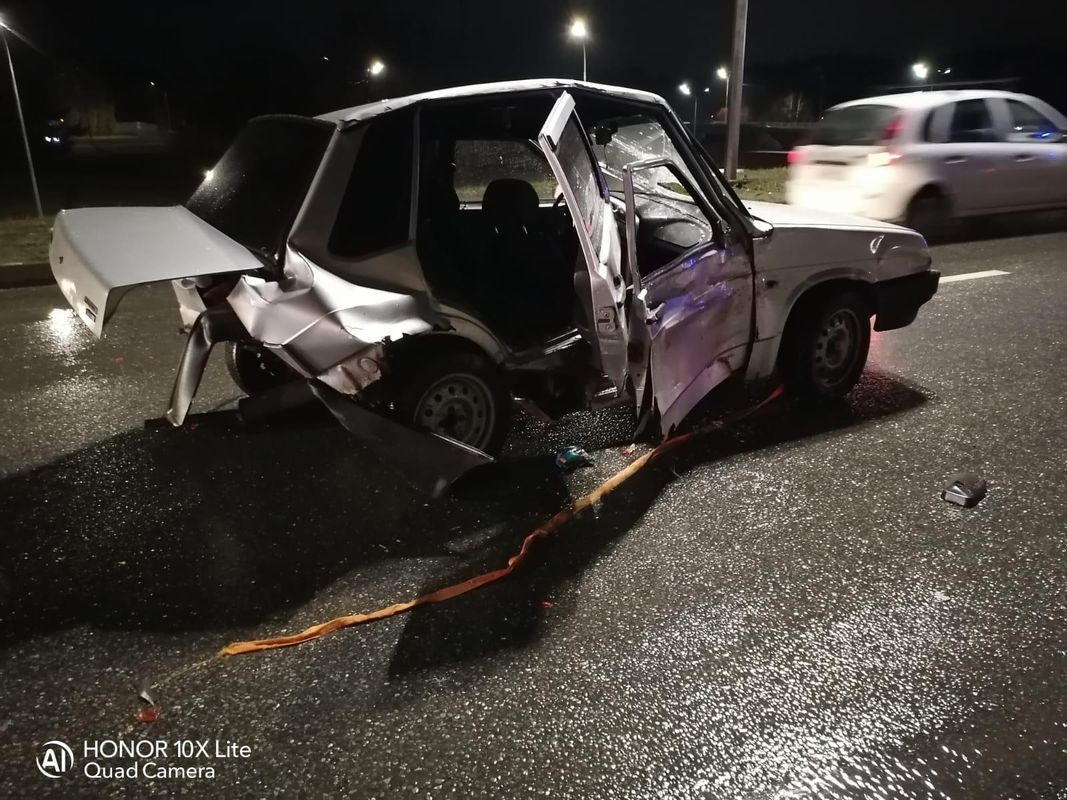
x,y
98,254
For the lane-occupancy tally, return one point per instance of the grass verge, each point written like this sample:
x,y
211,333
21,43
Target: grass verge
x,y
763,184
24,239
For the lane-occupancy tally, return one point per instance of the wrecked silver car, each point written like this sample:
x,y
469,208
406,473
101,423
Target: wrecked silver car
x,y
417,264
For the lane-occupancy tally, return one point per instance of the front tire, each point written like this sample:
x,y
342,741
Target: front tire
x,y
456,394
825,346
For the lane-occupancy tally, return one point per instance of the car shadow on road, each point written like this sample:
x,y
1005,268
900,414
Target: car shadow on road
x,y
220,528
1004,226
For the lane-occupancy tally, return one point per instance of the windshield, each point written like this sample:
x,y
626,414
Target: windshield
x,y
255,190
854,125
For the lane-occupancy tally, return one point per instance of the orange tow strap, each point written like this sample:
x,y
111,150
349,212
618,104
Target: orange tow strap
x,y
469,585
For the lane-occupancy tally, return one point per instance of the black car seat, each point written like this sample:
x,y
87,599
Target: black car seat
x,y
529,275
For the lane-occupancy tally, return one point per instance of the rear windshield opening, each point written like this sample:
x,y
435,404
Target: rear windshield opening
x,y
854,125
253,194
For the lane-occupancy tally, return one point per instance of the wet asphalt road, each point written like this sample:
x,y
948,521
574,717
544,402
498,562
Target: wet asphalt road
x,y
784,609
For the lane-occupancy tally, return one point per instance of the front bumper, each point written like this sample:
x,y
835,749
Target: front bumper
x,y
897,301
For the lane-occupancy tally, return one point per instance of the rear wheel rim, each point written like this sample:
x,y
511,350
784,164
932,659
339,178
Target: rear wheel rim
x,y
459,406
836,348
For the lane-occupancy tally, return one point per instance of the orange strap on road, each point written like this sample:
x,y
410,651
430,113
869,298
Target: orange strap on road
x,y
469,585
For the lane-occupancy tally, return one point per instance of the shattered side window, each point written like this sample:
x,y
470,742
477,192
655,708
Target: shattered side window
x,y
637,139
581,175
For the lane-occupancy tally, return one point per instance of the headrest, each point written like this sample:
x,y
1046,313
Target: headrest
x,y
510,203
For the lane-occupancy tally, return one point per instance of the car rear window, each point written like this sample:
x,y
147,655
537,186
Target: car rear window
x,y
256,189
854,125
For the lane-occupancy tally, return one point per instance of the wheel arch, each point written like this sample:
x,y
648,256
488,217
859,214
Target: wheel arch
x,y
933,188
767,348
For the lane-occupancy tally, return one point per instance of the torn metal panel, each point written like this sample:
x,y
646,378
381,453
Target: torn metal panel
x,y
218,324
320,319
356,372
428,461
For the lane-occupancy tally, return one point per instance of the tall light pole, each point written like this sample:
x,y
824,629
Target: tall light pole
x,y
580,33
22,122
723,74
736,87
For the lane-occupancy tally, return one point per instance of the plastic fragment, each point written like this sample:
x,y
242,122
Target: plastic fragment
x,y
571,458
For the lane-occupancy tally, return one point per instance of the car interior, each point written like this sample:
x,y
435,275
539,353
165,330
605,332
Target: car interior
x,y
493,235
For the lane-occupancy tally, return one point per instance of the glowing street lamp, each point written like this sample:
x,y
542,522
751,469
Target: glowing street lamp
x,y
580,33
376,68
723,74
687,91
22,121
920,70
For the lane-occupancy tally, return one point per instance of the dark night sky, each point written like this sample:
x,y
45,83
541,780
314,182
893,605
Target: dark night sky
x,y
267,53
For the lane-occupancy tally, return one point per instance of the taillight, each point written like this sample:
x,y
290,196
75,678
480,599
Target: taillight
x,y
795,156
892,129
883,158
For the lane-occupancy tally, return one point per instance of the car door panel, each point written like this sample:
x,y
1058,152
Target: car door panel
x,y
974,161
698,327
1038,158
691,319
600,286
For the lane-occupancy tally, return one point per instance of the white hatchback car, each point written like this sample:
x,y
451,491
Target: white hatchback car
x,y
924,158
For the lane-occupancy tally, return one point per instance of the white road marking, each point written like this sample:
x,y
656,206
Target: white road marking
x,y
970,276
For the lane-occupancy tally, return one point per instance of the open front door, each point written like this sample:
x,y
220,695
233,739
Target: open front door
x,y
693,292
600,288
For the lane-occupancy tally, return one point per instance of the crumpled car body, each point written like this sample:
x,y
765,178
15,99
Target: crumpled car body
x,y
562,243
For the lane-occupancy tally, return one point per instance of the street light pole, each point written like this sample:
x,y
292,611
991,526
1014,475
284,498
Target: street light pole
x,y
22,121
580,32
734,89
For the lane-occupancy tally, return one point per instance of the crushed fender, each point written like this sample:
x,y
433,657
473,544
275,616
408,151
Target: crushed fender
x,y
469,585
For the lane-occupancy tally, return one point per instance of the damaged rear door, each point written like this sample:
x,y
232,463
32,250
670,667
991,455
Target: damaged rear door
x,y
601,289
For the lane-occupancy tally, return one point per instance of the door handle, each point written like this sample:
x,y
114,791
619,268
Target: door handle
x,y
955,159
1024,157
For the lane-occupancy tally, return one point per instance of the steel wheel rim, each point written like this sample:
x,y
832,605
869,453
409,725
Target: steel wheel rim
x,y
836,348
459,406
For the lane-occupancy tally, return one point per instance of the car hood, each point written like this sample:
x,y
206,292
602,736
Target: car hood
x,y
781,215
865,248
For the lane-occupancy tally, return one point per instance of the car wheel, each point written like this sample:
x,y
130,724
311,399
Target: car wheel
x,y
456,394
929,213
825,347
254,369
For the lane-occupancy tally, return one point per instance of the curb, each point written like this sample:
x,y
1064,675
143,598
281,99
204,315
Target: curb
x,y
31,273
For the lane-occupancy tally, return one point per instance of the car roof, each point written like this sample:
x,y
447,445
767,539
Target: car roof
x,y
927,99
355,114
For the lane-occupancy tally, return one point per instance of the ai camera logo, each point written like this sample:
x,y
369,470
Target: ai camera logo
x,y
54,759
